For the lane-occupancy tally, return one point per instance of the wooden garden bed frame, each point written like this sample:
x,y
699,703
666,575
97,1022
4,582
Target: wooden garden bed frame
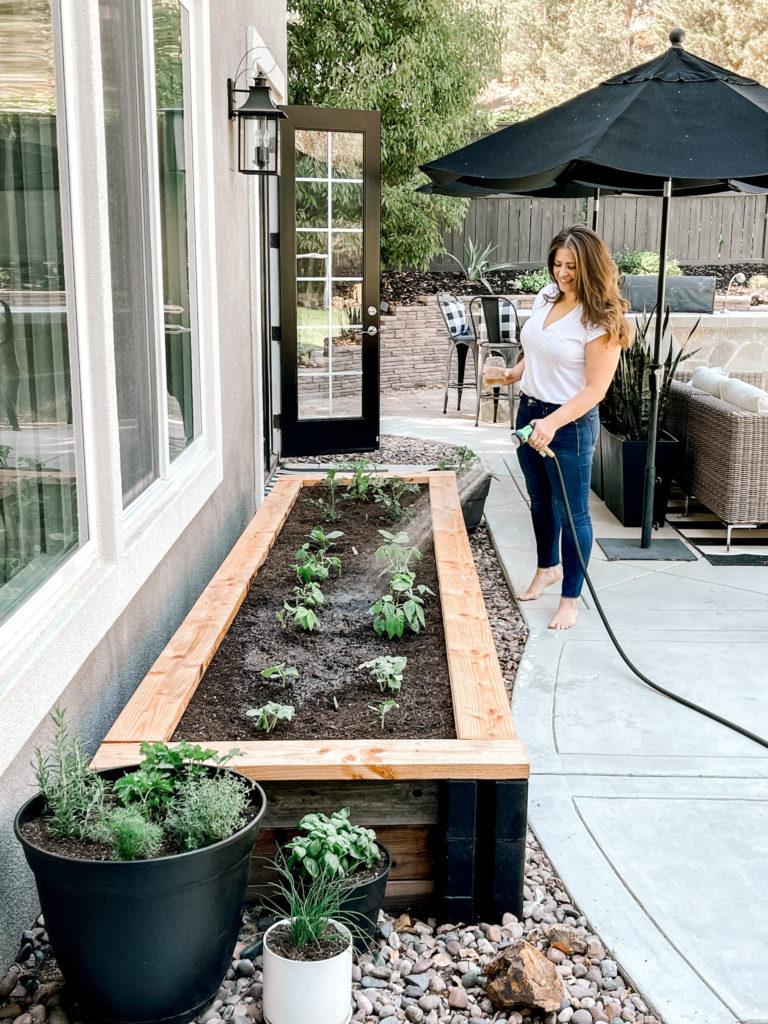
x,y
483,772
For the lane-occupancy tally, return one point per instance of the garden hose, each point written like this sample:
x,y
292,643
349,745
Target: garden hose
x,y
521,437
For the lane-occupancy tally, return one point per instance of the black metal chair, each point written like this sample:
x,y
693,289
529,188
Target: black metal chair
x,y
502,338
462,339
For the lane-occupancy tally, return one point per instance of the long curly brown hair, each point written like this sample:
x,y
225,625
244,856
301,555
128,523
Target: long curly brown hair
x,y
597,282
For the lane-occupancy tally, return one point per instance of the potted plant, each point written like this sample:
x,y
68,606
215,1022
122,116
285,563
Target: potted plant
x,y
474,481
334,846
141,873
624,414
308,953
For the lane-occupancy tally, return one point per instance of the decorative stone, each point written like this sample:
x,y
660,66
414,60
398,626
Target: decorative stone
x,y
457,998
567,939
523,977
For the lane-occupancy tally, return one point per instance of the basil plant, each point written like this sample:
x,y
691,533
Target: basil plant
x,y
332,845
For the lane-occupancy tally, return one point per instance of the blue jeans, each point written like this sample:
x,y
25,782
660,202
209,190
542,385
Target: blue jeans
x,y
573,444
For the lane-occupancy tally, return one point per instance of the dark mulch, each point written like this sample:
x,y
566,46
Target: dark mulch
x,y
331,696
403,287
329,946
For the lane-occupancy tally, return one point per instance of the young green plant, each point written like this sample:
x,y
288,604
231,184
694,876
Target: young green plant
x,y
270,714
383,709
332,845
280,671
387,671
390,494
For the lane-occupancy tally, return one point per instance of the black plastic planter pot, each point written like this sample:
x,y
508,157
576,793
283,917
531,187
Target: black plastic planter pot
x,y
473,502
624,472
144,942
364,902
596,479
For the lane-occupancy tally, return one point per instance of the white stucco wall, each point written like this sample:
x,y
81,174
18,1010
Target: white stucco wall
x,y
91,663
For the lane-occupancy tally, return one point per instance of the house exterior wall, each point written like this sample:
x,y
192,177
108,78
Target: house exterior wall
x,y
105,623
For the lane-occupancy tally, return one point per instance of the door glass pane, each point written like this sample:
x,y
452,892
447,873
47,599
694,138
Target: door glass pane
x,y
39,450
175,172
129,244
329,267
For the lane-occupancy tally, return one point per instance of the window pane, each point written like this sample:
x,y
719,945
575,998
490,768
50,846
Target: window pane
x,y
129,244
39,470
175,183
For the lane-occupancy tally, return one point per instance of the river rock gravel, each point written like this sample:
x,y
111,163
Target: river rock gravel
x,y
420,972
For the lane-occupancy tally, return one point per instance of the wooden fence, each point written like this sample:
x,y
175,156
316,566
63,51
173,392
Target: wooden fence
x,y
707,230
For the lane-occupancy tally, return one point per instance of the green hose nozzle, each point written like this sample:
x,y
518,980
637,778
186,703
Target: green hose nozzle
x,y
523,436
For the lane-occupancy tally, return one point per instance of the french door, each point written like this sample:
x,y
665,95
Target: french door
x,y
329,280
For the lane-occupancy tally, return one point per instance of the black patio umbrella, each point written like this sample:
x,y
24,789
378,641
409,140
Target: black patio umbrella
x,y
676,125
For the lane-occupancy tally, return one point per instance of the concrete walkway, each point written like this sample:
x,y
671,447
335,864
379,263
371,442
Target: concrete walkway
x,y
655,817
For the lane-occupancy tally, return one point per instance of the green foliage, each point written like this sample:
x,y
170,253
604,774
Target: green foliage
x,y
270,714
362,485
462,460
626,407
153,786
321,540
309,906
390,493
532,282
131,835
642,261
332,845
422,65
387,671
74,794
397,552
478,265
312,565
310,595
383,709
280,671
301,616
207,809
329,505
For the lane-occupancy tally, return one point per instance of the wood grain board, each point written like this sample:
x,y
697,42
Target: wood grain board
x,y
486,748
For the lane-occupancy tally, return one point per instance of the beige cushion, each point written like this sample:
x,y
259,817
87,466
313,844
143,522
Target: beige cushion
x,y
746,396
709,379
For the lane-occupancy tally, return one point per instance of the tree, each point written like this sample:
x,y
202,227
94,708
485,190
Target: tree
x,y
422,64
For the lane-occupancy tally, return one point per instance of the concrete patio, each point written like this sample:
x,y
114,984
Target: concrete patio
x,y
656,818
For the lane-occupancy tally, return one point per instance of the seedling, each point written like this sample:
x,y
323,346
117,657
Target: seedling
x,y
310,595
362,484
329,506
397,552
316,565
383,709
280,671
387,671
462,460
390,493
300,615
270,714
322,540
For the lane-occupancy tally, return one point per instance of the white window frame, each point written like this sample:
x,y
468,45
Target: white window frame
x,y
46,642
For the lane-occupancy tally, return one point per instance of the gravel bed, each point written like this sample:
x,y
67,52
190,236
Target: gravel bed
x,y
393,450
419,972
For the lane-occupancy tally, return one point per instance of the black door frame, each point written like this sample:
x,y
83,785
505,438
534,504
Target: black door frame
x,y
327,436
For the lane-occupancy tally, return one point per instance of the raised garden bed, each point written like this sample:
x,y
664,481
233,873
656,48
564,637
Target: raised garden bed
x,y
451,804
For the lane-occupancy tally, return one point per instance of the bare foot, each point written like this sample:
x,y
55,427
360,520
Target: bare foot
x,y
544,578
566,614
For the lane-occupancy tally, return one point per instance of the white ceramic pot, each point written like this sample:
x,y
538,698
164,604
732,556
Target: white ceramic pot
x,y
308,992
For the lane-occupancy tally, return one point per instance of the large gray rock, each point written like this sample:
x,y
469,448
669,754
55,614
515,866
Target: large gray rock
x,y
522,977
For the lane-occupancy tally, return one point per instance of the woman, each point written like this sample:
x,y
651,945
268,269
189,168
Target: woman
x,y
571,347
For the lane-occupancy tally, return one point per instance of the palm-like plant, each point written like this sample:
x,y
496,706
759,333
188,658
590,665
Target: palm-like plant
x,y
625,409
478,263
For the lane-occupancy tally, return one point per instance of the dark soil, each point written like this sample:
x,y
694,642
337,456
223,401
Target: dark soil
x,y
324,949
403,287
364,874
332,695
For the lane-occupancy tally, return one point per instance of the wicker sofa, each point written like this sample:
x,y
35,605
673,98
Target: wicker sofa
x,y
723,458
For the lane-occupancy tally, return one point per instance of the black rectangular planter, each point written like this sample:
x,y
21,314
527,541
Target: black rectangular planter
x,y
623,465
596,479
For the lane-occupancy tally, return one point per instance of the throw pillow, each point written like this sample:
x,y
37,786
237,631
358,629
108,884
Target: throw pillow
x,y
745,396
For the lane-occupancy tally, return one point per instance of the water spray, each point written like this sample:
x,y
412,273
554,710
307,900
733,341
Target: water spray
x,y
523,436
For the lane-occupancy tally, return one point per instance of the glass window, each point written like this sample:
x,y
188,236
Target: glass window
x,y
41,494
129,244
175,173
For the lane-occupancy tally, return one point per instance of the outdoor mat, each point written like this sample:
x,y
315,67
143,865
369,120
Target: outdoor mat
x,y
704,531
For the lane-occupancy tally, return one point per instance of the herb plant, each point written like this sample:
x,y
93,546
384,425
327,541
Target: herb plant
x,y
131,835
270,714
280,671
387,671
332,845
207,810
310,908
383,709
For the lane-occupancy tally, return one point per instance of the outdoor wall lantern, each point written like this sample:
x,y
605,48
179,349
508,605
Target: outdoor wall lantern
x,y
257,127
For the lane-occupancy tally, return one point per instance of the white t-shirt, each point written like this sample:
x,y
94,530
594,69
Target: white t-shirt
x,y
555,360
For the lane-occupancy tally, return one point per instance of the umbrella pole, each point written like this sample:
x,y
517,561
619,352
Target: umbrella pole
x,y
655,374
595,209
